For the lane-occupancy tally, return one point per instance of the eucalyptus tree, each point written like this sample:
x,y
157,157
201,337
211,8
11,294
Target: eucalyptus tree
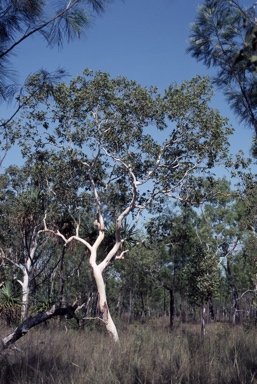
x,y
224,228
215,227
23,243
129,146
224,36
140,295
196,244
244,266
25,197
190,271
173,232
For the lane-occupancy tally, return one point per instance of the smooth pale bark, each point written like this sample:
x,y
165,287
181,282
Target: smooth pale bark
x,y
102,303
101,290
25,292
24,283
235,305
203,326
26,269
98,269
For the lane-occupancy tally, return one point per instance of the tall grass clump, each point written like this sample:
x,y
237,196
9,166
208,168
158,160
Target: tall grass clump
x,y
146,354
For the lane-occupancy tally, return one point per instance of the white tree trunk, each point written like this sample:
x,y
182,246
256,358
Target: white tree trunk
x,y
105,315
25,293
203,328
102,303
26,271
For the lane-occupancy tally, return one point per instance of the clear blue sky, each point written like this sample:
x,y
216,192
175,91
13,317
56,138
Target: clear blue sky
x,y
144,40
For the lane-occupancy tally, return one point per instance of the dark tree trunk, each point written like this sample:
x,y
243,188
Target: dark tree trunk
x,y
32,321
172,309
171,305
211,309
130,307
143,314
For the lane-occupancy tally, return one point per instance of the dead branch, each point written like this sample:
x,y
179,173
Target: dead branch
x,y
32,321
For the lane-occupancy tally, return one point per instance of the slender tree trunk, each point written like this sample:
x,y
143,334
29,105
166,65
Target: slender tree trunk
x,y
25,293
119,308
172,309
171,305
235,308
27,269
52,284
62,299
130,306
211,315
203,326
89,304
164,302
25,298
143,314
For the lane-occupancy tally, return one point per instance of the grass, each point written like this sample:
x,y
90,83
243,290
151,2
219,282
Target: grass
x,y
146,354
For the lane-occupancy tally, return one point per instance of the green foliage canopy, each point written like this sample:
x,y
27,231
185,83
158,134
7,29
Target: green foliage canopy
x,y
99,134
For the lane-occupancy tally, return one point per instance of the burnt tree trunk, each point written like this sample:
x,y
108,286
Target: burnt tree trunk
x,y
32,321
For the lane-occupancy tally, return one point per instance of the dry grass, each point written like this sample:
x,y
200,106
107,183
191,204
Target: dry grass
x,y
146,354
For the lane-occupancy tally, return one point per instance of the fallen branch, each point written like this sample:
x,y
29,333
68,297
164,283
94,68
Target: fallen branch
x,y
32,321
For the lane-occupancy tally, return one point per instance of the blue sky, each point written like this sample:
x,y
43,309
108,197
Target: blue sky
x,y
144,40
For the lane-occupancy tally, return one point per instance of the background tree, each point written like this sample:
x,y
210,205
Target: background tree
x,y
25,198
224,228
23,243
172,231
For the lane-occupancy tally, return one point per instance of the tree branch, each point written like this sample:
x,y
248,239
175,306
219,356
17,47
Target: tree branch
x,y
32,321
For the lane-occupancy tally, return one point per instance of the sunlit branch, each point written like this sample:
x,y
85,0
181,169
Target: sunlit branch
x,y
69,240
